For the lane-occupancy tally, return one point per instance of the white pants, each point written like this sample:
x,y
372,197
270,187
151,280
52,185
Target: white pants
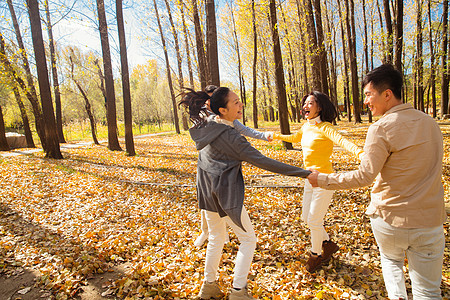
x,y
315,205
424,249
217,235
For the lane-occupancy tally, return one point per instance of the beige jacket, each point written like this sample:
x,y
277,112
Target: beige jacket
x,y
403,153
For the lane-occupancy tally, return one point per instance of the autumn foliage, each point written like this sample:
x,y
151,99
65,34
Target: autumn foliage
x,y
98,209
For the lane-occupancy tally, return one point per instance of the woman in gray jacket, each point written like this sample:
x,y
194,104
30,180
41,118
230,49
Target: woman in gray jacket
x,y
220,184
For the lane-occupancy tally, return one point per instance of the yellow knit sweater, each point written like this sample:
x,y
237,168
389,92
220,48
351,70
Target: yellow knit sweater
x,y
317,145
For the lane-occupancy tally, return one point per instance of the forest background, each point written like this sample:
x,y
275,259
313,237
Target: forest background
x,y
270,52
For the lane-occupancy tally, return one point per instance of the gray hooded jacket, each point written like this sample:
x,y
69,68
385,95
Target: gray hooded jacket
x,y
220,184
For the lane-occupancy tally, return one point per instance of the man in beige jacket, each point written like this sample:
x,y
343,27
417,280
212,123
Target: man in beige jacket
x,y
403,154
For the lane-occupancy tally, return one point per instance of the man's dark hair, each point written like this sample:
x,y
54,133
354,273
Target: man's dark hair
x,y
385,77
210,88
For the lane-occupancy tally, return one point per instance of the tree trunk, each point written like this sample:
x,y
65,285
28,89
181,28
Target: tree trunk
x,y
241,76
444,60
23,113
3,142
398,36
255,60
279,74
432,63
211,43
201,56
389,29
87,104
184,116
313,46
52,143
30,91
419,58
186,44
346,78
169,76
51,42
366,55
322,53
128,118
113,141
350,21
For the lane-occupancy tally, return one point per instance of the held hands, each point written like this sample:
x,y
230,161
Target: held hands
x,y
312,178
269,136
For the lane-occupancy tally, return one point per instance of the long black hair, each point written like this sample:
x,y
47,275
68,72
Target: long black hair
x,y
328,112
195,103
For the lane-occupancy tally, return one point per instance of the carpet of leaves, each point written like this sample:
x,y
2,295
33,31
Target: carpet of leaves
x,y
72,218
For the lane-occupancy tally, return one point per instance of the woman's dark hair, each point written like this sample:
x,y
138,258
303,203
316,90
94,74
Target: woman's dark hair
x,y
211,88
385,77
328,112
219,99
195,102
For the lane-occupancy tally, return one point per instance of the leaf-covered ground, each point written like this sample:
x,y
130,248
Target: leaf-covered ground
x,y
72,219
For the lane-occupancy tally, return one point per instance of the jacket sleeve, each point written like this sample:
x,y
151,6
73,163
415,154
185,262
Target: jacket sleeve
x,y
249,132
237,147
331,133
377,151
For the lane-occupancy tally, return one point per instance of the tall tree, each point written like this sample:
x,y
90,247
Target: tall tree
x,y
240,73
169,76
419,91
201,56
432,62
254,66
30,90
113,140
184,116
322,55
186,44
398,35
279,74
389,31
444,61
129,143
52,149
51,42
350,22
345,65
313,45
211,43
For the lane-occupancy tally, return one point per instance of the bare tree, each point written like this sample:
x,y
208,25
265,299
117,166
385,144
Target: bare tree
x,y
279,74
87,104
419,89
52,149
186,44
432,63
313,45
398,35
389,29
113,141
169,76
51,42
128,118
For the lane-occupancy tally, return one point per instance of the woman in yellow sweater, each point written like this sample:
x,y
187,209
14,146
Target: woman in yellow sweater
x,y
317,137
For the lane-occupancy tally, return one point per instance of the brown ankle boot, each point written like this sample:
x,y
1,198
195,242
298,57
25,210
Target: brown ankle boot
x,y
328,248
314,262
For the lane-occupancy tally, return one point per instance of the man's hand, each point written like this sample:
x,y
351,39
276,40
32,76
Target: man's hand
x,y
312,178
